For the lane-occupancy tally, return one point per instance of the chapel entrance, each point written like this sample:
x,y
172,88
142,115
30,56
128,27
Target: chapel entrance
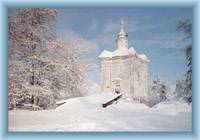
x,y
116,90
116,84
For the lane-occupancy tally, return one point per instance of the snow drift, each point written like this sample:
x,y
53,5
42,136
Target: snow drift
x,y
87,114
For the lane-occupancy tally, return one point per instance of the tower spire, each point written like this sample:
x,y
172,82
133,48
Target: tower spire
x,y
122,37
122,28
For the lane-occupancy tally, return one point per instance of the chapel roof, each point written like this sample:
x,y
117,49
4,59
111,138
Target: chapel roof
x,y
122,51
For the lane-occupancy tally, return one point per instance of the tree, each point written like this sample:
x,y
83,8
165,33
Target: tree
x,y
180,92
159,88
158,92
29,30
42,68
186,27
69,68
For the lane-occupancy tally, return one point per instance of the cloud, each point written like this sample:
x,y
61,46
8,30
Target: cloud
x,y
75,40
91,47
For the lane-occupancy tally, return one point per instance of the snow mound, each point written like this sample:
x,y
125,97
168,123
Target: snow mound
x,y
95,102
131,106
173,107
87,114
170,104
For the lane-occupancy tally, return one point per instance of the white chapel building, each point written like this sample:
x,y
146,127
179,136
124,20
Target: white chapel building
x,y
124,71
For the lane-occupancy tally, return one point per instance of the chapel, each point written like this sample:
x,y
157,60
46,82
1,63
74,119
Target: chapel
x,y
124,70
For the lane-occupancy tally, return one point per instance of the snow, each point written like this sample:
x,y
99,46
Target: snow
x,y
132,50
91,87
143,57
123,52
61,102
87,114
105,54
118,52
117,79
122,33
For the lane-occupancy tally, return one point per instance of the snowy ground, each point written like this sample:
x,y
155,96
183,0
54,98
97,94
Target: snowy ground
x,y
87,114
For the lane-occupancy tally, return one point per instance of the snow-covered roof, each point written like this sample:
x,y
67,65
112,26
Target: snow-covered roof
x,y
132,50
118,52
143,57
105,54
123,52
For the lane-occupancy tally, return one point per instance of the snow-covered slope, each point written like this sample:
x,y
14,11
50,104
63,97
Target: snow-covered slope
x,y
87,114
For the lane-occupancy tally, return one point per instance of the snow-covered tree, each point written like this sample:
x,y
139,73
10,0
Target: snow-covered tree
x,y
186,27
160,89
29,30
182,92
42,68
179,90
157,92
69,68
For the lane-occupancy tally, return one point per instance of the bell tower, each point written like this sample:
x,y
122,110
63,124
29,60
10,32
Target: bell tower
x,y
122,37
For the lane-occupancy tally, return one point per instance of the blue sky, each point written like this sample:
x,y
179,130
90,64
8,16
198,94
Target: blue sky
x,y
151,31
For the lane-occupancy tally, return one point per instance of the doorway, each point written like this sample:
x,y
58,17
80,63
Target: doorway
x,y
116,84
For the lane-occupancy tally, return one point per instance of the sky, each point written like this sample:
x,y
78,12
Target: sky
x,y
151,31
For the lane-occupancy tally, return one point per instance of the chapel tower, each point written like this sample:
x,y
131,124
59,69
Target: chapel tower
x,y
123,70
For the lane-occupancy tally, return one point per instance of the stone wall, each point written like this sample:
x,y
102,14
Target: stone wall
x,y
133,74
105,75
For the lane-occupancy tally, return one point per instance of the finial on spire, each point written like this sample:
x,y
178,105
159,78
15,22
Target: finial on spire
x,y
122,25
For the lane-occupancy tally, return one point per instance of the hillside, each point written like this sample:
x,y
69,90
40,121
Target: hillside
x,y
87,114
